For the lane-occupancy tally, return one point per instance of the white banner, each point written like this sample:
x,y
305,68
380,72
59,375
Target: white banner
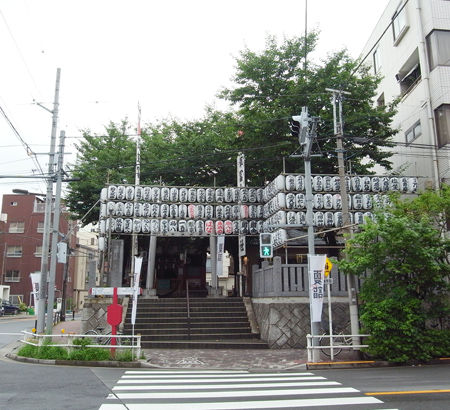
x,y
220,251
241,170
136,279
110,291
316,264
35,280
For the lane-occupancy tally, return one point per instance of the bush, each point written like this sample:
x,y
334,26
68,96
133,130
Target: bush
x,y
46,351
28,351
88,353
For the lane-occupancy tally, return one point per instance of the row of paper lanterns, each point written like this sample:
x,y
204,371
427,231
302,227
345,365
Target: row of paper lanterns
x,y
355,184
324,201
320,219
174,194
190,226
182,211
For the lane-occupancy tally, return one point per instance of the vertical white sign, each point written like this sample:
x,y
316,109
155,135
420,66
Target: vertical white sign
x,y
242,247
220,251
35,281
241,170
316,285
136,279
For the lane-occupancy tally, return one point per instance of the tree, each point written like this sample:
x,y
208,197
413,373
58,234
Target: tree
x,y
273,85
402,258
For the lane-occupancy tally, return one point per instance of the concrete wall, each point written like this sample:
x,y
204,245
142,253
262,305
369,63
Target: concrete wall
x,y
95,314
284,322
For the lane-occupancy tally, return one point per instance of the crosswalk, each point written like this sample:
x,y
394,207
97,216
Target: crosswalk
x,y
233,390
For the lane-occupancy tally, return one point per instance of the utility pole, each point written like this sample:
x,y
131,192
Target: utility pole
x,y
336,99
137,181
55,236
48,209
304,127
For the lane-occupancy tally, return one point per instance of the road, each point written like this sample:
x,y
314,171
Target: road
x,y
34,387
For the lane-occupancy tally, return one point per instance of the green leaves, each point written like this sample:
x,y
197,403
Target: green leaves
x,y
407,285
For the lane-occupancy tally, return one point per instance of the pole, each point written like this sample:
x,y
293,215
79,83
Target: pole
x,y
55,235
48,211
137,181
339,132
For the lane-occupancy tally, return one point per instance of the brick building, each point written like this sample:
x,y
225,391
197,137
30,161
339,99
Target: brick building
x,y
21,234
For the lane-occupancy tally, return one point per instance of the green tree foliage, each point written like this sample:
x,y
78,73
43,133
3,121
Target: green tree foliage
x,y
270,87
403,259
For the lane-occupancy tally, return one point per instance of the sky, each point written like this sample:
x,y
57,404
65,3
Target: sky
x,y
171,56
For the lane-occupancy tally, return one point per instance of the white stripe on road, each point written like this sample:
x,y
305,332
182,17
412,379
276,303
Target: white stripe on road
x,y
269,404
225,386
181,371
196,375
240,393
218,380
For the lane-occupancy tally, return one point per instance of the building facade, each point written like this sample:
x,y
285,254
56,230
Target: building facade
x,y
410,50
21,246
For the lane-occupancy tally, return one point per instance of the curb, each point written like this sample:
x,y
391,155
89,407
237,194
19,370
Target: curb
x,y
79,363
370,364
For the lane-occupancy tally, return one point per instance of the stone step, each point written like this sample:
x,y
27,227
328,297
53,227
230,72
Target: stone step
x,y
198,336
194,324
206,344
211,314
218,321
197,330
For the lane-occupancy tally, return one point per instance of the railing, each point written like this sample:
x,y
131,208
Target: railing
x,y
342,342
134,345
290,280
188,310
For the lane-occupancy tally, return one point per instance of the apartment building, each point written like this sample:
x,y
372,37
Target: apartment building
x,y
410,50
21,234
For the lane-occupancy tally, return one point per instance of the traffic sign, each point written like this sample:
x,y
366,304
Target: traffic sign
x,y
328,267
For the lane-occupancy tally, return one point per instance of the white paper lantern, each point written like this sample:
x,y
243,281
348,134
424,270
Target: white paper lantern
x,y
290,183
359,218
201,195
291,217
259,226
338,220
127,225
191,211
244,211
219,195
209,227
112,192
356,184
138,193
219,212
173,194
357,201
164,210
154,210
290,201
243,227
120,193
145,226
235,227
147,193
252,228
138,208
103,194
173,211
252,195
253,211
200,227
377,201
192,196
182,211
173,225
120,209
110,225
299,183
412,185
182,225
164,226
375,184
336,184
129,193
156,194
243,195
219,227
183,195
393,184
190,226
403,184
384,184
327,183
209,212
301,218
154,226
228,193
318,201
366,185
317,183
367,201
279,183
329,219
102,210
228,227
328,201
199,211
260,211
137,225
259,195
319,219
102,226
110,208
300,201
337,201
128,209
119,225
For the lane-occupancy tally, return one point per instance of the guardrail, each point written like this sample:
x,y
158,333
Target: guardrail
x,y
134,345
343,342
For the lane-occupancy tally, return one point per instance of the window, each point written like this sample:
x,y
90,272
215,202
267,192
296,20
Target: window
x,y
409,80
376,61
40,227
442,116
438,44
13,203
412,133
12,276
16,299
380,101
14,252
38,251
399,25
17,227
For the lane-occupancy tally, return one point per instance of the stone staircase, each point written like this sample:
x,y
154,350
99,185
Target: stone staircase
x,y
215,323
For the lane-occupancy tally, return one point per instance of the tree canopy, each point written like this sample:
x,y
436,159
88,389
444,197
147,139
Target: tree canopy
x,y
402,258
269,87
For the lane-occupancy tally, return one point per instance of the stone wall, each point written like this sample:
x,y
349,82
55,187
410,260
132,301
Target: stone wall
x,y
95,314
284,322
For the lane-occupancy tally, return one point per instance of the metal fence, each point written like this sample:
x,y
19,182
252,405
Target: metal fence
x,y
290,280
